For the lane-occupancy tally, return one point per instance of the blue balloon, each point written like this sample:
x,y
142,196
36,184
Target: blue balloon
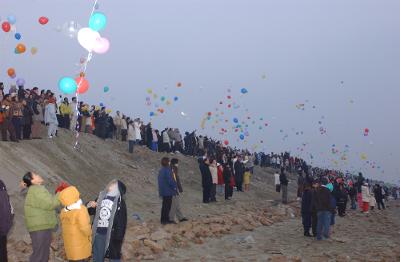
x,y
101,104
151,113
67,85
98,21
241,137
244,91
17,36
235,120
11,19
176,98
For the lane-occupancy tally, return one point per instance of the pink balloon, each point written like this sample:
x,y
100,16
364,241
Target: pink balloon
x,y
102,45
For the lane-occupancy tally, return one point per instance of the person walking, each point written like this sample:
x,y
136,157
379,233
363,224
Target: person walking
x,y
167,189
75,223
109,222
6,221
40,216
284,186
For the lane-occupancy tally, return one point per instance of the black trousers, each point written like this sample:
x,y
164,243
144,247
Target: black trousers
x,y
314,222
341,208
206,193
213,192
3,249
166,207
27,130
239,184
306,219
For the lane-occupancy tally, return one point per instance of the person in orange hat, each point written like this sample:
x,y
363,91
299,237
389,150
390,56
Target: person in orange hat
x,y
75,223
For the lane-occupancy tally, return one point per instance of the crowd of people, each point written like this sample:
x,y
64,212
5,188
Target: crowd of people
x,y
224,170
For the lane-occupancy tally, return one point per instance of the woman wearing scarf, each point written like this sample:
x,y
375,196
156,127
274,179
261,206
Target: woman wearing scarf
x,y
76,229
40,216
109,223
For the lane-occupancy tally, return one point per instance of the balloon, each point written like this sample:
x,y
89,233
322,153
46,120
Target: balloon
x,y
101,45
106,89
97,6
34,50
6,27
20,82
235,120
151,113
176,98
43,20
87,38
97,21
226,142
101,104
162,98
243,91
149,91
71,29
241,137
67,85
11,72
11,19
179,84
20,48
17,36
82,84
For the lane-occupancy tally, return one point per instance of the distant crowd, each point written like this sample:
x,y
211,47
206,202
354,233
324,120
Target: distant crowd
x,y
224,170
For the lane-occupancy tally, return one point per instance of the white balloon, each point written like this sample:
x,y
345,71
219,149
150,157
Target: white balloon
x,y
87,38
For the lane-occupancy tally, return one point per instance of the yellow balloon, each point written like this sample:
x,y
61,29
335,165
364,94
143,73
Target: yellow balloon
x,y
34,50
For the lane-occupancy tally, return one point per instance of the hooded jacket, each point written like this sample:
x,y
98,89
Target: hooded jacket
x,y
5,211
40,208
75,222
118,221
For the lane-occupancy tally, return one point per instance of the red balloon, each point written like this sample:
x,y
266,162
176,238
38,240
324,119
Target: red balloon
x,y
83,85
226,142
43,20
6,27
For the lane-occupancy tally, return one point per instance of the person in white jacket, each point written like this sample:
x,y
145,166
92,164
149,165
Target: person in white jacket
x,y
131,137
118,125
277,182
137,124
74,114
214,175
365,196
50,117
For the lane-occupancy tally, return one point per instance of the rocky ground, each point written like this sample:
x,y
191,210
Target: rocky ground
x,y
253,226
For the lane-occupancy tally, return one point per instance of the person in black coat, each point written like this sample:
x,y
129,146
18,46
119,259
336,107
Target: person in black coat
x,y
284,186
109,223
239,172
306,208
379,196
206,179
6,215
227,174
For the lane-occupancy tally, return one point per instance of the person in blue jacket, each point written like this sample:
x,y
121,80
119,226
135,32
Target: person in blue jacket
x,y
167,189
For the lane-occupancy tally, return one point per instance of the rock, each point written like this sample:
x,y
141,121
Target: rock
x,y
265,221
198,240
160,234
156,248
279,258
149,257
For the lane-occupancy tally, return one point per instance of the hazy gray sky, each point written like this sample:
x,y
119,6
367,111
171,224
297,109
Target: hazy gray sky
x,y
343,57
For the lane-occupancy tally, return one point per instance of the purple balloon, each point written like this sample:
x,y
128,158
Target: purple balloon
x,y
20,82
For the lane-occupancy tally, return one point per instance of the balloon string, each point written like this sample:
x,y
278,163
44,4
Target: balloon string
x,y
78,113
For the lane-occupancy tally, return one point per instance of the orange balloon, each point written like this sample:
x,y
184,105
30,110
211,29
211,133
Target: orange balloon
x,y
21,48
83,85
11,72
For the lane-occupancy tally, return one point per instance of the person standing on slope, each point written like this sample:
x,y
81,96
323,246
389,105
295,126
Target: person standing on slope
x,y
6,221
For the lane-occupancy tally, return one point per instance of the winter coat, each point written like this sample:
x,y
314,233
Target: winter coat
x,y
137,126
322,199
206,178
165,137
365,193
214,174
220,176
239,171
131,133
166,183
50,116
177,179
378,193
40,208
5,211
227,173
283,179
118,221
117,120
75,223
306,202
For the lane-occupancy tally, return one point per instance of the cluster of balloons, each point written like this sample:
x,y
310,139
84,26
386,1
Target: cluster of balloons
x,y
69,85
90,38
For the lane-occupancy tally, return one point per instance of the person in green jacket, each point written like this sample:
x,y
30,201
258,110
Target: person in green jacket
x,y
40,216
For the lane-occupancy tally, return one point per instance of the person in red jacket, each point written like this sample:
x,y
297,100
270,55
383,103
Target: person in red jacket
x,y
221,183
